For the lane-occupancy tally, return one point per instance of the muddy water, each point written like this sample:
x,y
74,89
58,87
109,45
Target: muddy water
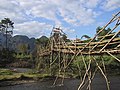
x,y
69,84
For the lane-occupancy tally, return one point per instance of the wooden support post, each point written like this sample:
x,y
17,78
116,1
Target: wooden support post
x,y
51,55
59,54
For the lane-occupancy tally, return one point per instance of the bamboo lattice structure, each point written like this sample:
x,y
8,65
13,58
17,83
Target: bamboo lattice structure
x,y
59,51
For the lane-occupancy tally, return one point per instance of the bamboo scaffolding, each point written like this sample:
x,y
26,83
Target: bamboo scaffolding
x,y
112,20
59,51
87,69
107,81
113,56
105,36
110,40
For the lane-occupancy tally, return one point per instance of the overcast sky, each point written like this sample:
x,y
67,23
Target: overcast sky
x,y
35,18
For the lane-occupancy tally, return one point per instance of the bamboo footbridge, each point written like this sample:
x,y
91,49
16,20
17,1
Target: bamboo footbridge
x,y
103,46
59,51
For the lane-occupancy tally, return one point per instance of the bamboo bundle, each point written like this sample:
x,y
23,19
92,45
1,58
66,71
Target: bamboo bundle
x,y
105,36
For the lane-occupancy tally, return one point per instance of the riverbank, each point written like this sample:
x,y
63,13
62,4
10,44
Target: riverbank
x,y
12,83
18,76
11,77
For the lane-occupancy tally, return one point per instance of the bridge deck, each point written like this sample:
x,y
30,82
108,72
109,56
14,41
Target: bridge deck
x,y
74,48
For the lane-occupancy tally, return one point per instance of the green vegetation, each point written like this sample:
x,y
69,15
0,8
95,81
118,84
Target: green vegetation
x,y
7,74
112,65
104,32
85,36
23,49
77,65
24,58
42,41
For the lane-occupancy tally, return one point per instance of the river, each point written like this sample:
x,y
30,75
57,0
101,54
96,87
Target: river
x,y
69,84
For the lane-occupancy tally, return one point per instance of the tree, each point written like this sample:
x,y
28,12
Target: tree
x,y
6,27
104,32
43,41
6,24
23,48
85,36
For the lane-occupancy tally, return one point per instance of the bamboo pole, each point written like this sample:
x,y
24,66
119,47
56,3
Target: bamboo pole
x,y
104,37
113,56
110,40
100,31
107,82
86,73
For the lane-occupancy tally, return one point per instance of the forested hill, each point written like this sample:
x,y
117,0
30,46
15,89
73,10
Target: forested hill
x,y
16,42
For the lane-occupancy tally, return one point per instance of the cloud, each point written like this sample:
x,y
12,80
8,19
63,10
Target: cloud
x,y
110,5
75,13
72,12
40,15
32,29
10,10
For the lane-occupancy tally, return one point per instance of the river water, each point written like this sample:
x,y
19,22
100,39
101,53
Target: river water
x,y
69,84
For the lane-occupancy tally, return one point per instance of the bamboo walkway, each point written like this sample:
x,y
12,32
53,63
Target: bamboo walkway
x,y
58,50
101,46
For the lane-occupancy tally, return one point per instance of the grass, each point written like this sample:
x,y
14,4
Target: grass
x,y
6,74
